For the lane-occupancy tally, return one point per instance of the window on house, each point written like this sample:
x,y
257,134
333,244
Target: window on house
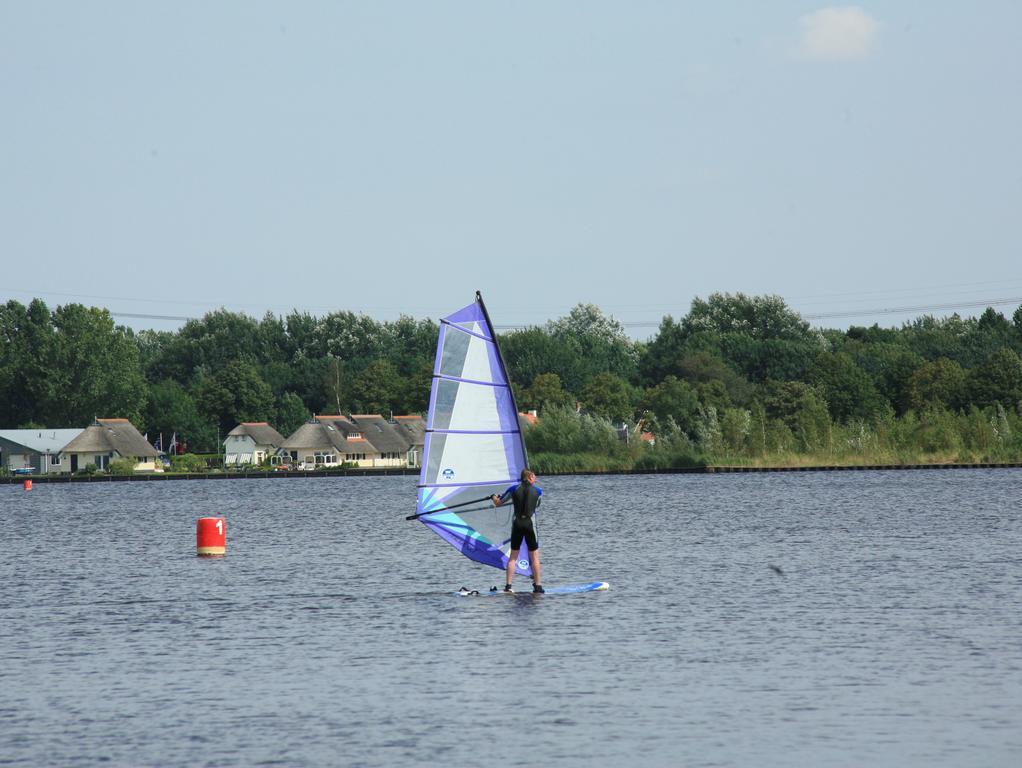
x,y
54,460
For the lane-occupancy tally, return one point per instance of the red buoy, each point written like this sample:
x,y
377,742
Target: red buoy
x,y
211,536
28,485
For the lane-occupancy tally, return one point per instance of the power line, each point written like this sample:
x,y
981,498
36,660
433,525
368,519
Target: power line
x,y
918,308
137,316
635,324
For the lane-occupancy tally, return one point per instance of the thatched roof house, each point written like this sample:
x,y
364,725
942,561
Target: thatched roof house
x,y
330,440
251,442
106,440
413,429
386,439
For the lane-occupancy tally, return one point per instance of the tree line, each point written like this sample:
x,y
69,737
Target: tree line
x,y
739,378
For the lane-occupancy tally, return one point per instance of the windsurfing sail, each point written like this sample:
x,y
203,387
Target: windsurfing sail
x,y
473,445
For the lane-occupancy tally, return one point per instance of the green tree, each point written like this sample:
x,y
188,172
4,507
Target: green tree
x,y
602,343
95,368
998,379
759,317
847,389
933,338
340,387
608,396
416,391
171,410
303,337
563,431
709,437
890,367
533,351
291,414
757,429
206,346
27,342
735,429
937,384
802,411
673,399
704,367
661,357
233,395
378,388
408,343
546,392
354,339
67,366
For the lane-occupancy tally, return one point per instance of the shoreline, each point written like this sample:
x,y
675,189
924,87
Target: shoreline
x,y
386,472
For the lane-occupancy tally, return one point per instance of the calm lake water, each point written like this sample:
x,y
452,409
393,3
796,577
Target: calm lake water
x,y
892,635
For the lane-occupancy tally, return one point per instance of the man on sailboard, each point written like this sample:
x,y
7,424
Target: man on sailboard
x,y
525,496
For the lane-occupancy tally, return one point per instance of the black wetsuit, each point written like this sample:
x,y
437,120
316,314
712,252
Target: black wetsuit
x,y
526,498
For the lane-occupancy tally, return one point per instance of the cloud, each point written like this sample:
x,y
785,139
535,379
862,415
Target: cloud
x,y
845,32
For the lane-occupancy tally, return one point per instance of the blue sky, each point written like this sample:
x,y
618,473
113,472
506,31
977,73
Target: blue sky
x,y
387,158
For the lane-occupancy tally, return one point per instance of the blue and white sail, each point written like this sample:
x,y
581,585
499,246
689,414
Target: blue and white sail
x,y
473,445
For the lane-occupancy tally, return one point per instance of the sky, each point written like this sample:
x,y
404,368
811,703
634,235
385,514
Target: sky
x,y
164,160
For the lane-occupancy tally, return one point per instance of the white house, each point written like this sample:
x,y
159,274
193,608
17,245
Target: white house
x,y
251,442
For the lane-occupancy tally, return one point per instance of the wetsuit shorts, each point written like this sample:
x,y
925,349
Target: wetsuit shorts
x,y
522,529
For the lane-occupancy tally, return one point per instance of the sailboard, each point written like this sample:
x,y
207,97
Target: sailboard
x,y
473,446
572,589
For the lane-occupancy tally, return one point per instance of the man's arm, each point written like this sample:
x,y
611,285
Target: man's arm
x,y
498,500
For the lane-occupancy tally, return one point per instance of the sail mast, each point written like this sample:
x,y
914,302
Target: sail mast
x,y
507,376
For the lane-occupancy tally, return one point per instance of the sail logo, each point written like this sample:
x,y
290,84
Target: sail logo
x,y
523,564
448,474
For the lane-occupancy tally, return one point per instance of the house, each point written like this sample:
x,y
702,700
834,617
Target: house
x,y
251,442
38,450
106,440
413,429
385,438
329,441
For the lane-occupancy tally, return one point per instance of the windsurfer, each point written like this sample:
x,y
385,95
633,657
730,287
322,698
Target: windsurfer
x,y
525,496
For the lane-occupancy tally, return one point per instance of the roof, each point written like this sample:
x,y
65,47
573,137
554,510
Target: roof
x,y
328,433
117,435
412,428
341,422
41,440
260,432
381,433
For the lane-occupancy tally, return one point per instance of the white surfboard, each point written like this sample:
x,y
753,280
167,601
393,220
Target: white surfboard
x,y
572,589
